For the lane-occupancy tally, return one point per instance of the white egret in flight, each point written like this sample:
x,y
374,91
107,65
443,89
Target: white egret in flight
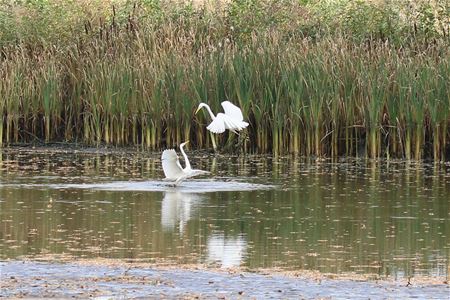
x,y
232,119
172,167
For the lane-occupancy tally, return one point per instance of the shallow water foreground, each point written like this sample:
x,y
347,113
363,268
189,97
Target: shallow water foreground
x,y
103,281
385,222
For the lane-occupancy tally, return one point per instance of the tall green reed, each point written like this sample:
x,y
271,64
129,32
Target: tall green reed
x,y
139,84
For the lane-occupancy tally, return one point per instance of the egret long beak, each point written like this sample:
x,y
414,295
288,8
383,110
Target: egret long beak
x,y
187,142
198,109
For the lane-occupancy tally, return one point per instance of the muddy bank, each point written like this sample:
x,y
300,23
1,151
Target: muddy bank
x,y
130,280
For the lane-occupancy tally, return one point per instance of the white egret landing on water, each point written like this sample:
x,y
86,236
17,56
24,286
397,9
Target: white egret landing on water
x,y
172,167
232,118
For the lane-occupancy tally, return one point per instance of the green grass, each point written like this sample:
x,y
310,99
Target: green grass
x,y
309,82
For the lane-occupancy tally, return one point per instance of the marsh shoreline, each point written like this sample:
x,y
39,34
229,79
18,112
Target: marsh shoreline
x,y
104,278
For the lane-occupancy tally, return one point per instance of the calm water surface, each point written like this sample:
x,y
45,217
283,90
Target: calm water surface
x,y
386,219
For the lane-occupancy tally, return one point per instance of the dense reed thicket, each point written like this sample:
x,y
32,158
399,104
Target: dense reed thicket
x,y
341,78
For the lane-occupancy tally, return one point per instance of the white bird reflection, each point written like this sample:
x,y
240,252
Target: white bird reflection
x,y
177,209
227,252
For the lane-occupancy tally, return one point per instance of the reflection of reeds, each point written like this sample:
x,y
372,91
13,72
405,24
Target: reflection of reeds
x,y
324,97
352,218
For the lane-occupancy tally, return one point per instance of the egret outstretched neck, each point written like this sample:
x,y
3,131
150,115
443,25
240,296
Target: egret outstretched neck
x,y
207,108
188,164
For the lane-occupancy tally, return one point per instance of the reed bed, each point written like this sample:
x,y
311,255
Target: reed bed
x,y
137,80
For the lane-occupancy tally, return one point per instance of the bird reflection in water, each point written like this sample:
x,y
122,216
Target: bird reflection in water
x,y
226,252
177,209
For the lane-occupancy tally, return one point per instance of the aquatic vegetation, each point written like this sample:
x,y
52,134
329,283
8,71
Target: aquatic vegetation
x,y
310,81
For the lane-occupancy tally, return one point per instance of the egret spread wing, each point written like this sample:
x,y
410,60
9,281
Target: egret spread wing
x,y
233,124
218,124
171,165
232,111
223,121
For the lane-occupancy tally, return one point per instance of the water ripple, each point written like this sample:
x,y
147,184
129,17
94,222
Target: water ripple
x,y
194,186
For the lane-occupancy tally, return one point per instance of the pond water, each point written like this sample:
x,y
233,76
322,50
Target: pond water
x,y
387,219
